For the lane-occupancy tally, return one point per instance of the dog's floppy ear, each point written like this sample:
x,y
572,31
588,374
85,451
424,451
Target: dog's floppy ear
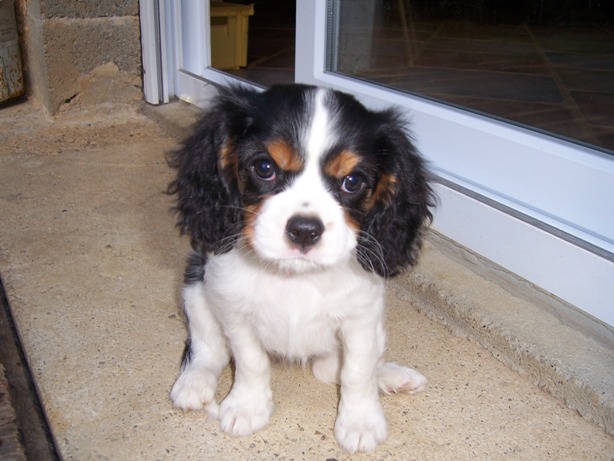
x,y
392,229
209,205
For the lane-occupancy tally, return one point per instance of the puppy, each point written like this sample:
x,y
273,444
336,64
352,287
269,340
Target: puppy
x,y
299,202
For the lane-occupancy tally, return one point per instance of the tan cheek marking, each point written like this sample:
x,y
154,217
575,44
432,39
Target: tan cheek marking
x,y
285,156
227,162
251,214
226,156
343,164
384,191
351,222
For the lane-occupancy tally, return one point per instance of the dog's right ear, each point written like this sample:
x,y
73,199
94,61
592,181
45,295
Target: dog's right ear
x,y
209,205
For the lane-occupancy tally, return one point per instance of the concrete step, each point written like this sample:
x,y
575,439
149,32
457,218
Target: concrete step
x,y
540,341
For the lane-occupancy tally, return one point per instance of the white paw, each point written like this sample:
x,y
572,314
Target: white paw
x,y
359,428
245,416
395,379
195,390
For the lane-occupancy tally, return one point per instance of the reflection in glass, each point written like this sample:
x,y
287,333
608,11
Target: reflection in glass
x,y
254,40
546,64
229,34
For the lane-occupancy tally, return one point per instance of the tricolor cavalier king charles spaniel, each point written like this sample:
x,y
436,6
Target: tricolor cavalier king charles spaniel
x,y
299,202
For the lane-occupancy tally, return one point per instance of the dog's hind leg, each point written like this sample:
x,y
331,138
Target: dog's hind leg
x,y
205,357
396,379
327,368
391,378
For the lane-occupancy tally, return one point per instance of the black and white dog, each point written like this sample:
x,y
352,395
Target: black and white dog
x,y
299,202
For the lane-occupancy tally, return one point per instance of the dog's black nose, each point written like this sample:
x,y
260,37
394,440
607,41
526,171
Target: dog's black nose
x,y
304,231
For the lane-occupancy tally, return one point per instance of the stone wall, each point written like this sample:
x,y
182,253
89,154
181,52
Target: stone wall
x,y
81,50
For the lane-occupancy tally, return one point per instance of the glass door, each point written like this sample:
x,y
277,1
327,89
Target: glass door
x,y
474,80
546,65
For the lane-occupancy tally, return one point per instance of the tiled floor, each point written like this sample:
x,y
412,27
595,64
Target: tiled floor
x,y
531,75
271,45
556,79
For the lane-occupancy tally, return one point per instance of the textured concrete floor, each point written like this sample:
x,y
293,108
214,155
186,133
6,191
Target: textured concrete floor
x,y
92,268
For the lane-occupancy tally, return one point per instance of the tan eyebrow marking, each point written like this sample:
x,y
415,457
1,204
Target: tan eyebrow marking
x,y
284,155
342,164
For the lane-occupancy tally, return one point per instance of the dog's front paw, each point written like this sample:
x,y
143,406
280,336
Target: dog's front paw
x,y
360,427
240,417
195,390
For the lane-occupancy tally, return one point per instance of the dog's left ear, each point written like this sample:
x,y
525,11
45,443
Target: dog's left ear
x,y
391,236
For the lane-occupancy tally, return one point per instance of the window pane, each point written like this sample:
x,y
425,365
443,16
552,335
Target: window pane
x,y
254,40
546,64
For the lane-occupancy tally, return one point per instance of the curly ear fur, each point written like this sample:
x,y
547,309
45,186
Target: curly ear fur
x,y
393,226
209,205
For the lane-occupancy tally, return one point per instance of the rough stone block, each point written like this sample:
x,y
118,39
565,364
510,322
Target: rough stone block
x,y
75,47
88,8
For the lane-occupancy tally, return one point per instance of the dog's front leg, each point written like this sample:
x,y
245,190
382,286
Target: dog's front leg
x,y
360,423
249,405
205,358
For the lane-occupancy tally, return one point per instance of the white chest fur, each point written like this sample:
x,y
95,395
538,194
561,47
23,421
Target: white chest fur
x,y
293,315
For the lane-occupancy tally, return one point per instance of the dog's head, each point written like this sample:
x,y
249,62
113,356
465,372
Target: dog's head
x,y
306,177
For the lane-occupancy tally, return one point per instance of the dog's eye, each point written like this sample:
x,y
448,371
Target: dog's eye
x,y
352,183
264,169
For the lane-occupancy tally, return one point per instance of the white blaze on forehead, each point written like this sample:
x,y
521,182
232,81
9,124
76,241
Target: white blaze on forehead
x,y
319,136
309,195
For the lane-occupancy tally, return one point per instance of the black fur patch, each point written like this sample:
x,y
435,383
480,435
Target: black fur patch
x,y
195,268
186,357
